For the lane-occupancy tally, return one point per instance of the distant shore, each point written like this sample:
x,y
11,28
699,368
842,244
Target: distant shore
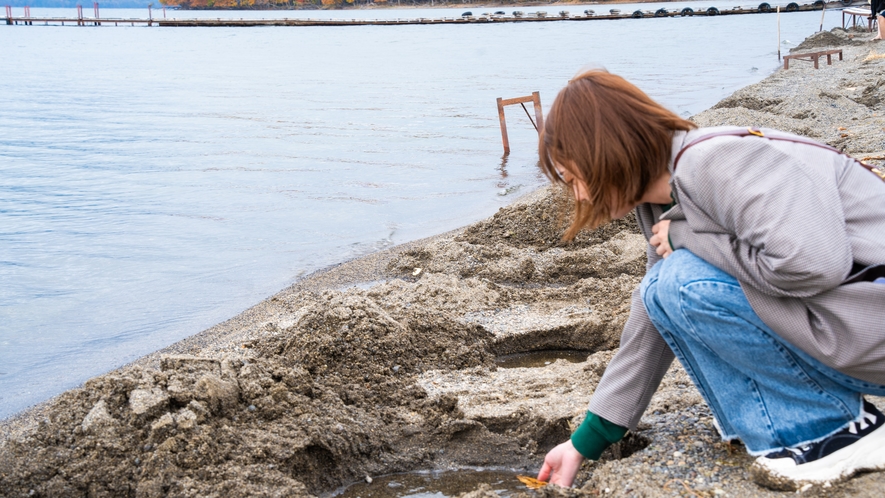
x,y
497,5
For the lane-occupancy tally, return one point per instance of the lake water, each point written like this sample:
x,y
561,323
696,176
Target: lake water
x,y
155,181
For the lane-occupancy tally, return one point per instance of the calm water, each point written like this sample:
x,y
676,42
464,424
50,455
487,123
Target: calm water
x,y
155,181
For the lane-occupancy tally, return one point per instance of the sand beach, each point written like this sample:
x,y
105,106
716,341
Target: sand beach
x,y
392,362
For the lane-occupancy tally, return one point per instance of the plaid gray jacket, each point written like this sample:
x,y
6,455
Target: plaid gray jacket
x,y
792,223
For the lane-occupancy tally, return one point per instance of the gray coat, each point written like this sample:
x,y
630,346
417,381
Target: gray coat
x,y
791,222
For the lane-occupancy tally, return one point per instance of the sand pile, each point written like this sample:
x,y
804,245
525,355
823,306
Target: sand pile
x,y
348,383
387,364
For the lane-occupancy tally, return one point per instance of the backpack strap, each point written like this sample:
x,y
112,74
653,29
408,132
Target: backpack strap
x,y
756,132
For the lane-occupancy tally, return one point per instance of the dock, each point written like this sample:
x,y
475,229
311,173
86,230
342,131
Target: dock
x,y
486,18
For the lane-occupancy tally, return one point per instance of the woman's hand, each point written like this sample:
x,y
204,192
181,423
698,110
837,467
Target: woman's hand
x,y
661,239
561,465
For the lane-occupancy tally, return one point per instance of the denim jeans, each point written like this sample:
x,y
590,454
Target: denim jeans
x,y
760,388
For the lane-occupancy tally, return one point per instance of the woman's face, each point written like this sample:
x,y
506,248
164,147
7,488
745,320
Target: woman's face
x,y
616,211
578,186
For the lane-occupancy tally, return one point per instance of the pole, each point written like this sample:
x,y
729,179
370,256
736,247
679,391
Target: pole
x,y
778,33
150,15
822,12
9,15
79,15
95,10
503,127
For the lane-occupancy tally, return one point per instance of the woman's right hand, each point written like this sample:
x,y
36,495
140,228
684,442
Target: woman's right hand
x,y
561,465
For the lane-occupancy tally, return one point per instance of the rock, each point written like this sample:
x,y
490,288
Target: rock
x,y
161,428
185,419
148,402
98,419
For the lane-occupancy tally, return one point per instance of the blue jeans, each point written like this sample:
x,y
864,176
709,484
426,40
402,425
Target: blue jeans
x,y
760,388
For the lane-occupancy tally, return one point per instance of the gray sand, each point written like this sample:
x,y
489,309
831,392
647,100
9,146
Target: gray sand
x,y
386,364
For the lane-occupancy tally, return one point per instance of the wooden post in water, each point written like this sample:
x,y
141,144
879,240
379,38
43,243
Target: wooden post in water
x,y
79,15
538,122
150,15
503,126
95,11
9,15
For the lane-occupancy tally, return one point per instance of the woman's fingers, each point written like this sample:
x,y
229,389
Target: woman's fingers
x,y
544,474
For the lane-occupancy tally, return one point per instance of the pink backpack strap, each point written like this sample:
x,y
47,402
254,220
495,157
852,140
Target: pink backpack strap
x,y
758,133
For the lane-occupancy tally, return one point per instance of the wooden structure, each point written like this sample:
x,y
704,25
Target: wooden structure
x,y
853,14
813,57
538,122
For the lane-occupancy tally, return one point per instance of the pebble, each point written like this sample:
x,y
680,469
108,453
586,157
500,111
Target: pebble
x,y
252,408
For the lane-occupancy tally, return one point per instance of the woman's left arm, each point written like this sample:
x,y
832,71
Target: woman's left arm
x,y
763,216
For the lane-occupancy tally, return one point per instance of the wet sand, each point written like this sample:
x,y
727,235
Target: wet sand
x,y
387,363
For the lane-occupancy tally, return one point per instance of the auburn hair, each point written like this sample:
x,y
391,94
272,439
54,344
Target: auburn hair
x,y
612,137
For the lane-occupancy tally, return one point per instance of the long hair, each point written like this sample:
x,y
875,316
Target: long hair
x,y
612,137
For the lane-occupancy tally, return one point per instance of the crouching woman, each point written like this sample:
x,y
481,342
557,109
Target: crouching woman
x,y
766,260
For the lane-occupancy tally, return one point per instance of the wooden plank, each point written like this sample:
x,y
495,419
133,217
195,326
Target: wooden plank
x,y
517,100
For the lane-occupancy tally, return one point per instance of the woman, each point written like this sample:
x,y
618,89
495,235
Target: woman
x,y
753,235
877,13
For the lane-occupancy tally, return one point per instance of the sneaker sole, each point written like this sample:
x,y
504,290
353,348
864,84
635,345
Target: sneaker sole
x,y
868,454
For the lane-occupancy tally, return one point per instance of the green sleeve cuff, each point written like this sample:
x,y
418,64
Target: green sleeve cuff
x,y
595,435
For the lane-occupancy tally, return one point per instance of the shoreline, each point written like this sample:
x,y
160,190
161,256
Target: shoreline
x,y
335,375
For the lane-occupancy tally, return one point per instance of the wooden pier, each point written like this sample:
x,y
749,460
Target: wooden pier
x,y
540,16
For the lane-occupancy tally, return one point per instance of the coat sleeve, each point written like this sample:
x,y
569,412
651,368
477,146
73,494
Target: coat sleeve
x,y
765,217
635,373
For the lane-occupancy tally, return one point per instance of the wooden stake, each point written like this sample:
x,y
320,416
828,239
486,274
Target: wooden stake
x,y
535,99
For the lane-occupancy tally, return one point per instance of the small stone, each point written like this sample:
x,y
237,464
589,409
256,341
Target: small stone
x,y
718,491
395,368
148,447
163,424
137,461
608,490
416,272
805,488
97,418
828,484
147,402
185,419
677,454
369,479
251,408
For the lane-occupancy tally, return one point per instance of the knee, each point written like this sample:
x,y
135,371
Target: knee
x,y
679,271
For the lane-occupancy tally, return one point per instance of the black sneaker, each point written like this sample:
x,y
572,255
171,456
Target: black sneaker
x,y
858,447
